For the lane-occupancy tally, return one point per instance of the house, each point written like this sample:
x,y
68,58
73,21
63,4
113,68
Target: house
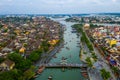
x,y
7,65
5,50
86,26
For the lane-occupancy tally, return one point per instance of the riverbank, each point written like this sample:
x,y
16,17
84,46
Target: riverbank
x,y
93,73
45,58
100,64
87,55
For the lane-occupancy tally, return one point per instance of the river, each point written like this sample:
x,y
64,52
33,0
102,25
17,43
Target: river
x,y
71,53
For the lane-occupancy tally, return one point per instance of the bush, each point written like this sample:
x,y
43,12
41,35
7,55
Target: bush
x,y
84,52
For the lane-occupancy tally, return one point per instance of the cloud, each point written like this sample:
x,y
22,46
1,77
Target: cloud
x,y
57,1
114,0
59,6
9,0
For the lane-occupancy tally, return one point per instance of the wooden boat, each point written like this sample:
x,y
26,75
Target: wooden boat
x,y
50,77
35,76
85,74
55,56
68,48
63,69
63,58
40,70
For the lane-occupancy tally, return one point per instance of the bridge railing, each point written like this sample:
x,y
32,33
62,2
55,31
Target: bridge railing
x,y
63,65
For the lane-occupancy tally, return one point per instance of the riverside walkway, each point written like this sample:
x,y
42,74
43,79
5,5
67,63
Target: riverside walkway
x,y
57,65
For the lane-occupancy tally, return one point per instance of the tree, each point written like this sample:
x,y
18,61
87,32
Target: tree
x,y
1,25
94,56
16,57
45,45
20,63
29,73
5,76
105,74
34,56
115,70
1,59
89,62
9,75
24,65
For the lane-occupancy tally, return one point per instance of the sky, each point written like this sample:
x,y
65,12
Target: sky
x,y
58,6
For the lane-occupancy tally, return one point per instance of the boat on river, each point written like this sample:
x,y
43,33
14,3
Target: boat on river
x,y
78,46
63,69
68,48
50,77
63,58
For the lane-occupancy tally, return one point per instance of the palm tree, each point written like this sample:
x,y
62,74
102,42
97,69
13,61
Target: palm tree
x,y
89,62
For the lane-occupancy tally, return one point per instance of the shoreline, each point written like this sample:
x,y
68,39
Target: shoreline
x,y
49,54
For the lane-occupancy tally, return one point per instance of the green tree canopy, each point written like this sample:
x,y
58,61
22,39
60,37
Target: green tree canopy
x,y
34,56
89,62
16,57
105,74
10,75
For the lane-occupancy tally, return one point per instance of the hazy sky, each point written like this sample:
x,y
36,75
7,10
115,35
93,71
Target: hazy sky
x,y
58,6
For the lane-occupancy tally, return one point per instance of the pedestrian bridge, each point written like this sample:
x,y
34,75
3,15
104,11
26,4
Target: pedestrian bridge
x,y
57,65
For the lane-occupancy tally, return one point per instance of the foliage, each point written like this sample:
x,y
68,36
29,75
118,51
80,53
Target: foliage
x,y
84,52
3,44
84,38
1,25
45,45
115,69
23,70
29,73
24,65
16,57
89,62
103,48
1,59
5,30
94,56
105,74
20,63
72,20
78,27
94,25
35,55
10,75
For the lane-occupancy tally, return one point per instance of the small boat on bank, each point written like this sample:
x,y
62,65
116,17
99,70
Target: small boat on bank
x,y
55,56
85,74
40,70
35,76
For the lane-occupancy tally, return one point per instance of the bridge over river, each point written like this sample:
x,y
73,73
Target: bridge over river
x,y
58,65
